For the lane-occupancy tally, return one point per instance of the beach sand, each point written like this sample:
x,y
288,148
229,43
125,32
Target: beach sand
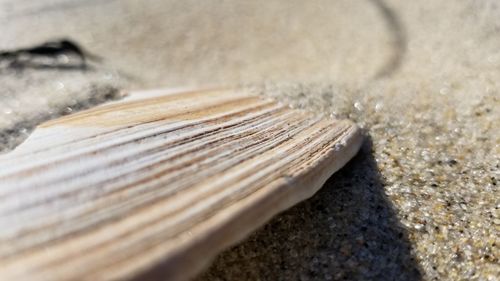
x,y
420,201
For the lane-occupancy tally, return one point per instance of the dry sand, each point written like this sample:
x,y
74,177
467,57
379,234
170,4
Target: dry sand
x,y
421,201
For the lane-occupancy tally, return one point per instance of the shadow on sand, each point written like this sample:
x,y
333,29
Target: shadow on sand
x,y
397,32
347,231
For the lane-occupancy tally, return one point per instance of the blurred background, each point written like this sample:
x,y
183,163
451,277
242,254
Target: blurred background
x,y
170,43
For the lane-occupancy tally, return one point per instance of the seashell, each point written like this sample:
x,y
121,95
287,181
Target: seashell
x,y
155,185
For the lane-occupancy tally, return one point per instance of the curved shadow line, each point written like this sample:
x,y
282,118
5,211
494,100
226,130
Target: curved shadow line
x,y
399,39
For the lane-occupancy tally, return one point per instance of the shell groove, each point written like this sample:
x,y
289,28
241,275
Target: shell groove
x,y
157,184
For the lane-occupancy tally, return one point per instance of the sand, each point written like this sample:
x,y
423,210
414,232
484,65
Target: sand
x,y
419,202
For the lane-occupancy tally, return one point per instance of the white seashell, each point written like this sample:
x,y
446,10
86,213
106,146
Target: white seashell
x,y
158,183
